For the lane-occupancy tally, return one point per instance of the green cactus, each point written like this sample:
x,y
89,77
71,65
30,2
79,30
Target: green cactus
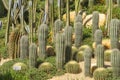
x,y
100,55
80,56
100,74
42,39
32,55
95,22
83,47
107,3
74,52
68,43
107,55
114,33
118,3
78,34
78,18
24,47
6,4
60,50
72,67
115,61
87,61
68,13
91,3
98,37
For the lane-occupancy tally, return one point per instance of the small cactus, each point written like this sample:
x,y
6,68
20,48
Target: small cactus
x,y
107,55
78,34
72,67
100,55
83,47
100,74
87,61
60,50
115,61
24,47
80,56
42,40
32,55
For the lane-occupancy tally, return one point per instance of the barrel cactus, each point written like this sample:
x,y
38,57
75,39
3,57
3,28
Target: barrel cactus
x,y
80,56
78,34
83,47
114,33
24,47
87,61
100,55
95,22
32,55
68,43
98,37
60,50
72,67
115,61
107,54
42,40
100,74
74,52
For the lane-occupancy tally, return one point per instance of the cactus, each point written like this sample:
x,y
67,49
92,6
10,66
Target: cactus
x,y
68,13
60,50
107,55
107,3
0,24
83,47
78,18
46,66
72,67
58,25
6,4
24,47
42,37
100,74
78,34
115,61
118,3
100,55
95,22
87,61
91,3
74,52
80,56
68,43
114,33
32,55
98,37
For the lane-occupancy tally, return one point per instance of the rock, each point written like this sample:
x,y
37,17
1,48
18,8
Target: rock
x,y
19,66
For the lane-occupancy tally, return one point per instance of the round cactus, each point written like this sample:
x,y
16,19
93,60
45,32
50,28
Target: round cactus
x,y
78,18
83,47
42,39
24,47
107,55
115,61
72,67
46,66
74,52
78,34
100,74
32,55
80,56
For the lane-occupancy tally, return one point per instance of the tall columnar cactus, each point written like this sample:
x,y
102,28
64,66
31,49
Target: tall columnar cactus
x,y
91,3
95,22
24,47
58,25
42,37
107,3
68,43
118,3
59,9
78,18
68,13
32,55
87,61
100,55
60,50
98,37
115,61
114,33
78,34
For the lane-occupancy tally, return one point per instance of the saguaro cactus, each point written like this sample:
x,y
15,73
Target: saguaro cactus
x,y
100,55
42,37
68,43
115,61
114,33
95,22
78,34
32,55
87,61
24,47
60,50
98,37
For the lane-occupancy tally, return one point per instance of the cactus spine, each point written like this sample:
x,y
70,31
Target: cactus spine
x,y
87,61
91,3
115,61
60,50
32,55
98,37
95,22
114,33
100,55
24,47
42,37
68,43
78,34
